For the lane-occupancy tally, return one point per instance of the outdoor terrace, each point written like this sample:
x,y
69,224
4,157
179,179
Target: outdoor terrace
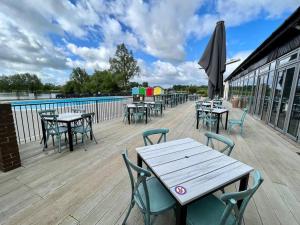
x,y
92,187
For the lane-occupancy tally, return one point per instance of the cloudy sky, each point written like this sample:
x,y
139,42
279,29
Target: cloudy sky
x,y
167,37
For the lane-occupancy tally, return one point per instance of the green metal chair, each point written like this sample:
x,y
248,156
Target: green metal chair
x,y
85,128
224,210
229,144
240,122
147,192
163,135
53,129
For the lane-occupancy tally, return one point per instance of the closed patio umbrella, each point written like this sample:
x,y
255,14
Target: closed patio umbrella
x,y
213,60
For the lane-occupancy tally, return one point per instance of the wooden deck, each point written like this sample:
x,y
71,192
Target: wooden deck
x,y
92,187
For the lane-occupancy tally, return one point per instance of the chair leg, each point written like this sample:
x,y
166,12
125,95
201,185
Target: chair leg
x,y
59,144
46,142
128,212
84,142
94,137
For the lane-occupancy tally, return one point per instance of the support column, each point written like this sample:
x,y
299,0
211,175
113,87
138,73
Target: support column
x,y
9,150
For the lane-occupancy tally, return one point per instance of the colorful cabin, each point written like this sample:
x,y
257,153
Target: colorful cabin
x,y
135,91
149,91
142,91
158,91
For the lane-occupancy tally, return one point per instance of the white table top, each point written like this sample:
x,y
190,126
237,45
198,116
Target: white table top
x,y
134,105
190,169
215,110
68,116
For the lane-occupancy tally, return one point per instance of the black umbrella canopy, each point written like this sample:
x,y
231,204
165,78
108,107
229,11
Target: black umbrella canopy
x,y
213,60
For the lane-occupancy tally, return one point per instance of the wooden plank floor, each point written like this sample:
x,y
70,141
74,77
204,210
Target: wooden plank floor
x,y
92,187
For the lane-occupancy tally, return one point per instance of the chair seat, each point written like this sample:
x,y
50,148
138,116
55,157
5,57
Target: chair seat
x,y
207,211
61,130
235,121
159,197
210,120
81,130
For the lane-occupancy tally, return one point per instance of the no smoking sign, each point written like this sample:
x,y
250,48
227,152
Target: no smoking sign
x,y
180,190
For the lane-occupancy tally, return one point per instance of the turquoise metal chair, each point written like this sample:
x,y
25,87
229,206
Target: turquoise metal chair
x,y
224,210
229,144
53,129
201,114
77,110
163,135
46,112
125,113
240,122
157,108
85,127
147,192
140,112
209,119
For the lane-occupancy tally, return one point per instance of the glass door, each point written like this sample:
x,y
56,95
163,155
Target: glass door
x,y
277,96
260,95
293,127
284,103
267,97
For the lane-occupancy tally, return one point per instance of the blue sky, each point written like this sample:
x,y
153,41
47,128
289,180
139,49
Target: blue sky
x,y
167,37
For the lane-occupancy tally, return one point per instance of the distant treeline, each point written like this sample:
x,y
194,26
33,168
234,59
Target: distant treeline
x,y
25,82
192,89
116,80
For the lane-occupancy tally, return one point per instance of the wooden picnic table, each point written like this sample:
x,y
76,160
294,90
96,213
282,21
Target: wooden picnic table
x,y
190,170
68,119
216,111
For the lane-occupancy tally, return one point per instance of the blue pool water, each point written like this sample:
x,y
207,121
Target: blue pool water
x,y
69,102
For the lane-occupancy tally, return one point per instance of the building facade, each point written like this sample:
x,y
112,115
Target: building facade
x,y
268,81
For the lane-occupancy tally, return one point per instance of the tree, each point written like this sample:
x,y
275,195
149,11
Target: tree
x,y
79,77
124,64
145,84
102,82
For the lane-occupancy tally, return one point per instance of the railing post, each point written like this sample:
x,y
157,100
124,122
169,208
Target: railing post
x,y
97,116
9,150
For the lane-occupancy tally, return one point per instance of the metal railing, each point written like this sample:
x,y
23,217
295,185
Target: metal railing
x,y
27,120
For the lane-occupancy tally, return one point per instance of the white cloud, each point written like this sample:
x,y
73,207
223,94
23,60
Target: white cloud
x,y
167,74
162,25
236,12
239,55
156,28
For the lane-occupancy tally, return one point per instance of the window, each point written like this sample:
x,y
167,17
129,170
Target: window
x,y
264,69
288,59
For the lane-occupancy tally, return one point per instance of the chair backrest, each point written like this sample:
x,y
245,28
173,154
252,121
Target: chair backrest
x,y
50,123
143,174
74,110
125,109
229,144
244,115
157,105
87,121
231,200
163,135
47,112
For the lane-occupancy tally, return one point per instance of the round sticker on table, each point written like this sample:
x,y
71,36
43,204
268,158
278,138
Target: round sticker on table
x,y
180,190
